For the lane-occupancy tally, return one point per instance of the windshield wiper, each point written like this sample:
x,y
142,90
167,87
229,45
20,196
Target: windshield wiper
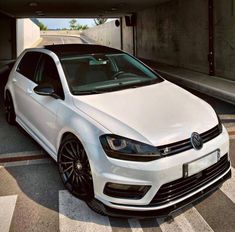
x,y
140,84
119,86
85,92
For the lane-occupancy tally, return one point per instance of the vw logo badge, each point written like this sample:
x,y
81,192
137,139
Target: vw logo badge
x,y
196,141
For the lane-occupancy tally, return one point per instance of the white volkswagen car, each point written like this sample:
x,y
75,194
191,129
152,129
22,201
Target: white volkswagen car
x,y
126,141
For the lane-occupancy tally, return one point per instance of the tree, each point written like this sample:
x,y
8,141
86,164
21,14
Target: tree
x,y
84,27
73,24
42,26
99,21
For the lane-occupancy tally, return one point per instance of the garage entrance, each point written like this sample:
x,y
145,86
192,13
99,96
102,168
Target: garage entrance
x,y
189,42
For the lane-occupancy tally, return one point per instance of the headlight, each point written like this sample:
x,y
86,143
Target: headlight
x,y
127,149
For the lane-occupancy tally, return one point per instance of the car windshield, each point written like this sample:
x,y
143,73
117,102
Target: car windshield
x,y
98,73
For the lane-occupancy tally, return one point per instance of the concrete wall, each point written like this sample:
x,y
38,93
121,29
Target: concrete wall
x,y
61,32
28,33
225,38
7,38
127,35
175,33
106,34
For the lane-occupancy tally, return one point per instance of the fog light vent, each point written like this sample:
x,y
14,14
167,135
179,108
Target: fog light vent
x,y
126,191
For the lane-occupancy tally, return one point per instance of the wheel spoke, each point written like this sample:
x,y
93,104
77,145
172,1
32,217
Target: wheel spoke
x,y
82,183
65,163
78,152
84,180
71,166
73,150
69,151
77,180
87,176
70,173
68,157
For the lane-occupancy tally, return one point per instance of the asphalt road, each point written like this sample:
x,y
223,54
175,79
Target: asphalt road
x,y
51,39
32,197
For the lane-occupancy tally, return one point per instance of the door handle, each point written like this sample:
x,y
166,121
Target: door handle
x,y
29,91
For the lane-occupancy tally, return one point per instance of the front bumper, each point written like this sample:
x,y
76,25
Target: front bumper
x,y
155,174
168,211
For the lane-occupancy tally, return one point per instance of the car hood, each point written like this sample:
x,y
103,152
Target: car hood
x,y
157,114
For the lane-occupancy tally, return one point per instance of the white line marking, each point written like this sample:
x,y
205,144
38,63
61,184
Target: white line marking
x,y
26,162
135,225
231,129
182,222
168,226
232,137
196,220
76,216
228,187
187,221
227,116
7,207
23,154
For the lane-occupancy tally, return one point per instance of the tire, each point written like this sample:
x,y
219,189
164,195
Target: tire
x,y
75,169
9,109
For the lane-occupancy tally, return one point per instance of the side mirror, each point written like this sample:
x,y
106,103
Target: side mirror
x,y
44,90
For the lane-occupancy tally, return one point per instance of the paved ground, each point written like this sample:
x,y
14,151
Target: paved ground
x,y
51,39
32,197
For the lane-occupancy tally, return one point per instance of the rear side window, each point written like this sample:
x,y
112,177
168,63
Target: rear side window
x,y
28,64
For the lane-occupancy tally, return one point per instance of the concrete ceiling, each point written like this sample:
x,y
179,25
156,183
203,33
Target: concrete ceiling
x,y
73,8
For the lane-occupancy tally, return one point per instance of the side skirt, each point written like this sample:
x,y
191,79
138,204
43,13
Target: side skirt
x,y
37,139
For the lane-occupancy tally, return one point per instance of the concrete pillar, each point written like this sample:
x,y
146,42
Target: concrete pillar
x,y
7,38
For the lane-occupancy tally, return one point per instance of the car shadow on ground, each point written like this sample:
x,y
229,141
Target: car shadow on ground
x,y
13,138
39,187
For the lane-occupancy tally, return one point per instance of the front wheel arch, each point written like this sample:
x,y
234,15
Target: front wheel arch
x,y
89,199
67,140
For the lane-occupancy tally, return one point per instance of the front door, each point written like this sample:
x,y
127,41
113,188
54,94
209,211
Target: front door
x,y
44,113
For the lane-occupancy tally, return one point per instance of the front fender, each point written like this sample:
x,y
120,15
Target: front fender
x,y
82,126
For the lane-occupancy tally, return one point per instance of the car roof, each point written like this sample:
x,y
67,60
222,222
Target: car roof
x,y
80,49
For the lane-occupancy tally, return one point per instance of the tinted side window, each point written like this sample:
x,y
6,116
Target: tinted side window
x,y
28,64
48,75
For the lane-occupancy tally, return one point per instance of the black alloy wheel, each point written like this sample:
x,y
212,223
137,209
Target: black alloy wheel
x,y
9,109
75,169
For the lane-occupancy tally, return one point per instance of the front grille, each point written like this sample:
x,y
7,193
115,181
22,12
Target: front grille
x,y
184,145
184,186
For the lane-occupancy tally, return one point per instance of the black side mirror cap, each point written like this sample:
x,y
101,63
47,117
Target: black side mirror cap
x,y
44,90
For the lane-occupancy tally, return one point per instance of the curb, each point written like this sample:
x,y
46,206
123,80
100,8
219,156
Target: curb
x,y
211,91
36,43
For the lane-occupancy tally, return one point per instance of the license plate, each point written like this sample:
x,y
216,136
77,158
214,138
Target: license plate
x,y
198,165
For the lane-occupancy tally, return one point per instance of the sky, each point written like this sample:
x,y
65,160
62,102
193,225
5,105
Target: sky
x,y
64,23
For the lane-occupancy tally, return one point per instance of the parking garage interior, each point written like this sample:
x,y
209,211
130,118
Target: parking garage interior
x,y
190,42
